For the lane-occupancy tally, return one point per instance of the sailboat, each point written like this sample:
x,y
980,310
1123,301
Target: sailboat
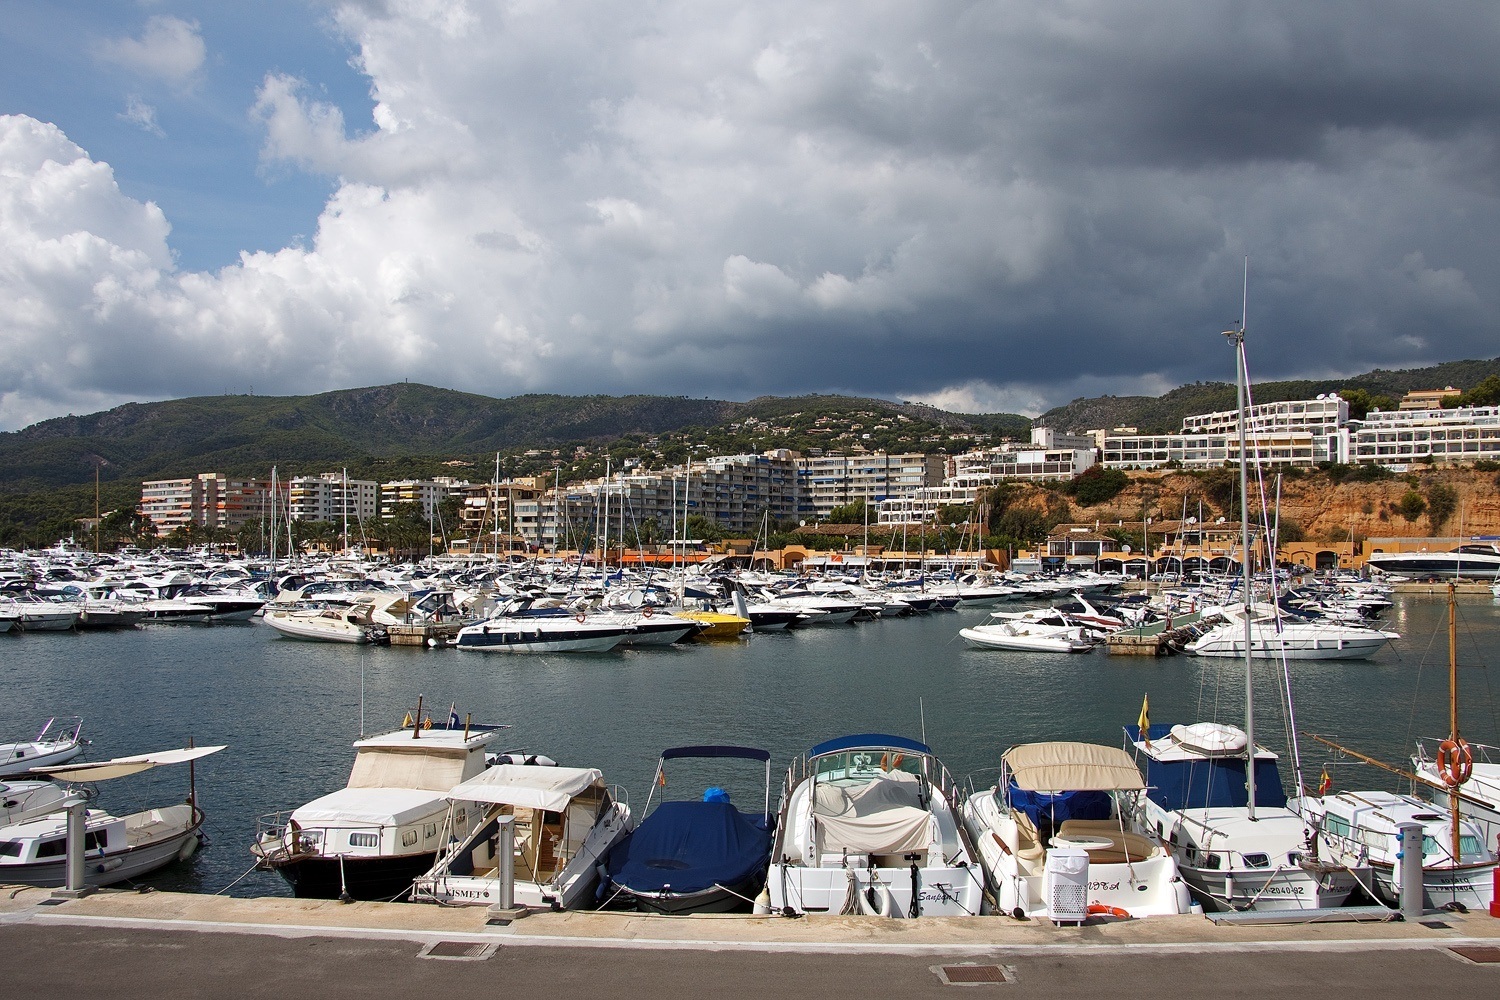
x,y
1214,797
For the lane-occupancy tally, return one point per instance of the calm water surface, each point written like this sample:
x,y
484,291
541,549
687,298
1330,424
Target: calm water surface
x,y
289,710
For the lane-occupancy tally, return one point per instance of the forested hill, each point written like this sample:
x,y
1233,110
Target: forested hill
x,y
409,429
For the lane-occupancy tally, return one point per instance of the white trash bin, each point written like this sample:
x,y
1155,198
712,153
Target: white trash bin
x,y
1065,881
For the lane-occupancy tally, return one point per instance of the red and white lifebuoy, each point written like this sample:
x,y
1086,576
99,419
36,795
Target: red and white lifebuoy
x,y
1455,762
580,617
1104,910
646,612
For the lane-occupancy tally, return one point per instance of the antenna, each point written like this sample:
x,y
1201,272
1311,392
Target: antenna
x,y
361,695
922,714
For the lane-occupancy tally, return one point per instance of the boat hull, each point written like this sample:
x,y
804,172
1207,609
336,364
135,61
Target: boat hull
x,y
1270,889
367,878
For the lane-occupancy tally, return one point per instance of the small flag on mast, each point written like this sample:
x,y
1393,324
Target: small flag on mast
x,y
454,722
1145,719
406,723
661,776
1325,783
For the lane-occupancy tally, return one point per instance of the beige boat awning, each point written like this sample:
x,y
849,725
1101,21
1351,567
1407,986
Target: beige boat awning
x,y
1072,767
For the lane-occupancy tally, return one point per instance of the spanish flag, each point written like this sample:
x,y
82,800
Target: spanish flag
x,y
661,777
1145,720
1325,783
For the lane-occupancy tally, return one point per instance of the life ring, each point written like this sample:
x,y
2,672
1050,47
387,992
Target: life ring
x,y
1103,910
1455,762
580,617
646,612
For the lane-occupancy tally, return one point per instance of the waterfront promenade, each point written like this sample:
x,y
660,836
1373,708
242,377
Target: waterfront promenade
x,y
167,945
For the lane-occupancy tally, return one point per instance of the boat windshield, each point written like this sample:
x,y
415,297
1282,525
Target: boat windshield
x,y
860,765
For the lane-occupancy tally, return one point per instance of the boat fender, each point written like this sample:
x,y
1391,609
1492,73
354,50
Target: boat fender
x,y
1104,910
1455,762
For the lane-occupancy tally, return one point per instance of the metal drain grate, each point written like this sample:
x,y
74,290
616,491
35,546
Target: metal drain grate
x,y
459,951
973,975
1479,955
1436,925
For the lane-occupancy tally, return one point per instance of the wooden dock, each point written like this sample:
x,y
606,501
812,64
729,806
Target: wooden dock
x,y
430,634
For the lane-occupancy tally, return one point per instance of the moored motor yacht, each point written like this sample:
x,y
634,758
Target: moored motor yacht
x,y
1273,636
1234,854
370,839
332,624
1065,796
869,824
58,741
565,823
516,632
1029,637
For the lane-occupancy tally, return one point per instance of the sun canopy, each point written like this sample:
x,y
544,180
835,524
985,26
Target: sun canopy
x,y
1054,767
122,766
528,787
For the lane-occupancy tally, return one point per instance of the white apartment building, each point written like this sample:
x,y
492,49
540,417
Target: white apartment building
x,y
1299,432
829,481
331,497
924,504
1392,437
1051,455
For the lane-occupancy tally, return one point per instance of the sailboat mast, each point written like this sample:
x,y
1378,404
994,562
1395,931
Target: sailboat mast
x,y
1237,338
1453,706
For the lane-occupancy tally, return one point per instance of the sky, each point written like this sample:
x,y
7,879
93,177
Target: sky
x,y
988,206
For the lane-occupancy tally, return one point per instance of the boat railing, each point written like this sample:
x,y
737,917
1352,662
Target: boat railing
x,y
1484,753
280,839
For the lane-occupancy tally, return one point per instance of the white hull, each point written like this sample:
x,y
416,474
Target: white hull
x,y
159,837
317,628
1269,889
990,637
1332,648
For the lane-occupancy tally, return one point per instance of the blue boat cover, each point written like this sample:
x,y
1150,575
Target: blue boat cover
x,y
691,846
1207,783
1056,808
868,741
748,753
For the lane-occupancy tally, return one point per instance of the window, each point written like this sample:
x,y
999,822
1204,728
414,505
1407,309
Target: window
x,y
363,839
429,831
10,848
1257,861
408,838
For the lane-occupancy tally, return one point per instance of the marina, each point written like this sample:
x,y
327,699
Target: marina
x,y
290,710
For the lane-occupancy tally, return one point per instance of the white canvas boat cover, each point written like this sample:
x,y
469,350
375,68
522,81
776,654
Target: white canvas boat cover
x,y
416,767
883,816
526,787
122,766
370,807
1072,767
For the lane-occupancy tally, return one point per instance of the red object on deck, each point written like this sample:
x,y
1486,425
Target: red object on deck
x,y
1495,898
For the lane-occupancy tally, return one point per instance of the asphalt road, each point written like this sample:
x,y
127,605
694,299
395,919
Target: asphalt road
x,y
45,960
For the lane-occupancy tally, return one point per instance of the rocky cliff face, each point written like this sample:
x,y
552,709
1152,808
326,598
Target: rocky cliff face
x,y
1324,510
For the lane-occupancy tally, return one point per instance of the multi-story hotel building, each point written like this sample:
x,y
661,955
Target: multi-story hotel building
x,y
1395,437
332,497
829,481
208,499
1299,432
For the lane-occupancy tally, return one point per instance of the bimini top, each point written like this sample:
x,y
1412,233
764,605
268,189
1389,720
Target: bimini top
x,y
528,787
1055,767
748,753
868,741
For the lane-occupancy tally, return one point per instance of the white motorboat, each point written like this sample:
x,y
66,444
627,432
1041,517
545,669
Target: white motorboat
x,y
1234,855
10,619
336,624
566,821
1029,637
1476,560
23,800
1272,636
574,633
57,742
1064,796
372,838
869,824
1361,829
37,615
34,850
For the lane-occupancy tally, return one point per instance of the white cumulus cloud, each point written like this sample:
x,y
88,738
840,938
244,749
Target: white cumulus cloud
x,y
169,49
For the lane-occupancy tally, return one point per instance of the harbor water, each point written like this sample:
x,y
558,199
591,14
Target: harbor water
x,y
289,710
